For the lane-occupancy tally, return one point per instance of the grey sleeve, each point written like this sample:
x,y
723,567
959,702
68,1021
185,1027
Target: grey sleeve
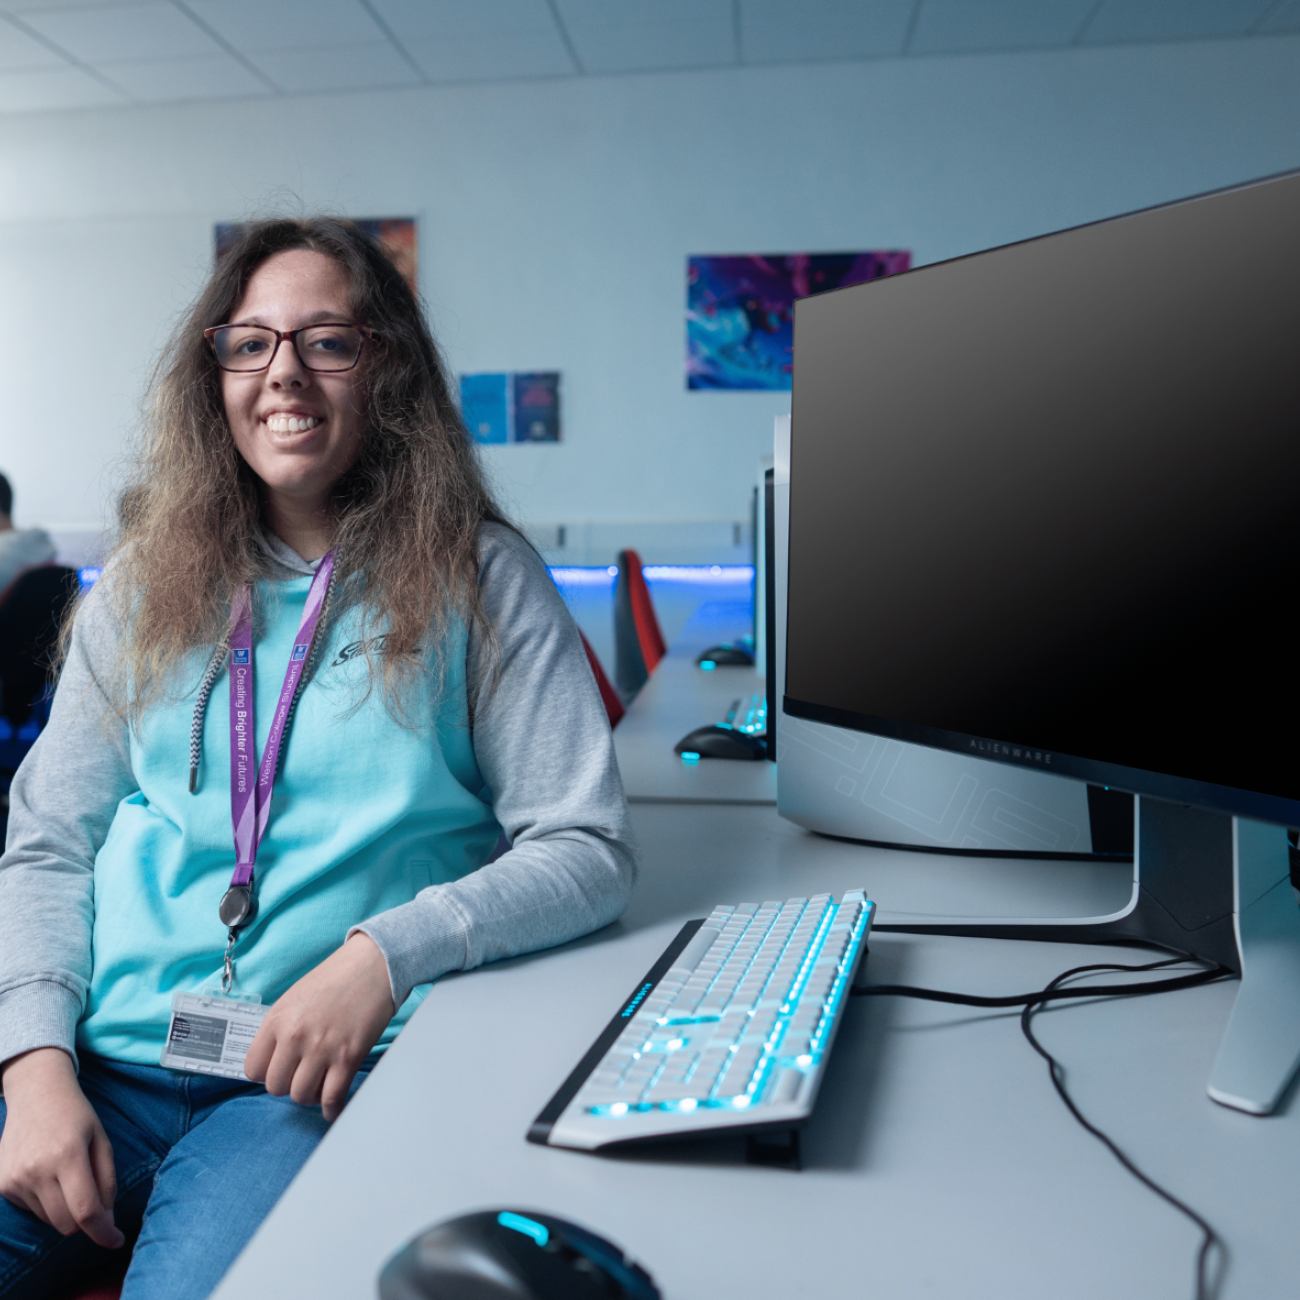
x,y
543,744
61,805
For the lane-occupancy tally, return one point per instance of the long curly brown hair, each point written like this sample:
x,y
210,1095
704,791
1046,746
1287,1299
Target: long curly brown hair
x,y
406,515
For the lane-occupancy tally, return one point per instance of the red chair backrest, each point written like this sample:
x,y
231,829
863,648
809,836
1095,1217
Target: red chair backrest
x,y
648,634
106,1284
609,696
101,1291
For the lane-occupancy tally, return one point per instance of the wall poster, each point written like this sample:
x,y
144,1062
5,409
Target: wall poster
x,y
522,407
740,310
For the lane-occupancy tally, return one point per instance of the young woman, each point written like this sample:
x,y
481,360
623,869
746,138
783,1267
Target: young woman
x,y
310,539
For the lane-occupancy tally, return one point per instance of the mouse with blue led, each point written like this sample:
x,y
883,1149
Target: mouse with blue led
x,y
512,1255
742,734
720,740
725,656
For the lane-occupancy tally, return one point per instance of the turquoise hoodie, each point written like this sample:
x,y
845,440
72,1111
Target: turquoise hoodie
x,y
366,812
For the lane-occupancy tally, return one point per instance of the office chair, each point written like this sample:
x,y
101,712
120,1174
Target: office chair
x,y
608,695
107,1285
31,611
638,642
30,615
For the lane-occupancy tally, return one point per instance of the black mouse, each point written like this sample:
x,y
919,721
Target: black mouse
x,y
512,1255
725,656
721,741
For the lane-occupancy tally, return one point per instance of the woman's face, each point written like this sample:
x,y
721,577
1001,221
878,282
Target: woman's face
x,y
299,430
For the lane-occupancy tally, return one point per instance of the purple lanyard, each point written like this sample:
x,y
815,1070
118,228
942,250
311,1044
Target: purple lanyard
x,y
250,800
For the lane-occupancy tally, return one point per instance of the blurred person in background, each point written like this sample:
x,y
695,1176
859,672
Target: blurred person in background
x,y
20,548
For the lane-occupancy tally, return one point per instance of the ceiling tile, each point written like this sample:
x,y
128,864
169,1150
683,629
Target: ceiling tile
x,y
631,35
956,26
216,76
1285,18
436,20
356,67
777,31
22,7
52,88
1119,21
137,31
18,51
252,25
495,58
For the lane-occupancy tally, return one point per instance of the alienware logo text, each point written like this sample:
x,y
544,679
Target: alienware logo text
x,y
1012,751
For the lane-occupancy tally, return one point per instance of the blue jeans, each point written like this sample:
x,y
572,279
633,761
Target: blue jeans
x,y
200,1162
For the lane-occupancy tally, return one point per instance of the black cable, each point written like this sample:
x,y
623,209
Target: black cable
x,y
1029,999
1034,1003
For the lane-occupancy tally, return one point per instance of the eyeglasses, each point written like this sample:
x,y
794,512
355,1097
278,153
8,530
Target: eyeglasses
x,y
245,349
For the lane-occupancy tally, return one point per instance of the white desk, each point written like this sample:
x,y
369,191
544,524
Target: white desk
x,y
939,1161
679,697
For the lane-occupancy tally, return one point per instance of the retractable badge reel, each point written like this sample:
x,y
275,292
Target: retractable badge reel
x,y
211,1031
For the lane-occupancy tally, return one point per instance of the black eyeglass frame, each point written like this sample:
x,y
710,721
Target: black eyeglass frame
x,y
367,335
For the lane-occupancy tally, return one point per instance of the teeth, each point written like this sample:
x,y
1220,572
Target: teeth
x,y
290,423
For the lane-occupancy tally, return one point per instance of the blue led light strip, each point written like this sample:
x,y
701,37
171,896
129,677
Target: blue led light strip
x,y
838,989
791,1004
529,1227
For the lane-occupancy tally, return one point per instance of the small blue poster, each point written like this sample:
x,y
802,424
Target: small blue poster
x,y
485,404
500,408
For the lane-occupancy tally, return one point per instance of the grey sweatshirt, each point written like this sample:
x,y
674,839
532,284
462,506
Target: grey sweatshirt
x,y
20,548
542,743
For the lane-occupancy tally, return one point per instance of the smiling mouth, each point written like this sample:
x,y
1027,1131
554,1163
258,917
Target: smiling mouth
x,y
278,423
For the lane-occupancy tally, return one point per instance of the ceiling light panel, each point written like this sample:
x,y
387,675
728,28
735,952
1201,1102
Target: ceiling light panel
x,y
637,35
253,25
24,7
214,76
778,31
355,67
52,88
1123,21
18,51
968,26
107,33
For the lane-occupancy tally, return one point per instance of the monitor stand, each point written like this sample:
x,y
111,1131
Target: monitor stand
x,y
1219,888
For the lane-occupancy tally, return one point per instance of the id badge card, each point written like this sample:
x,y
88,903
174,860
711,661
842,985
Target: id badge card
x,y
211,1033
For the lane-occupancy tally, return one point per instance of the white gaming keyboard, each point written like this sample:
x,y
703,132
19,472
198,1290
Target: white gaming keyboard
x,y
730,1029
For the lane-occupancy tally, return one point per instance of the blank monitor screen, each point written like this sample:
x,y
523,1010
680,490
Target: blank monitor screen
x,y
1045,502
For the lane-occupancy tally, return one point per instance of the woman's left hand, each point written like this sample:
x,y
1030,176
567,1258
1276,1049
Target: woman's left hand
x,y
316,1036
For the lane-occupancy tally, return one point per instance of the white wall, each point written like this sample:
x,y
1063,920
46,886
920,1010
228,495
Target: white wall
x,y
556,217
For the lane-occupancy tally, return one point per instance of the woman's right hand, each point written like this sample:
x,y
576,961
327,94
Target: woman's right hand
x,y
55,1158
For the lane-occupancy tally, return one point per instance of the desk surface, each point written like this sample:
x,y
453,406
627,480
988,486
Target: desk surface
x,y
679,697
939,1160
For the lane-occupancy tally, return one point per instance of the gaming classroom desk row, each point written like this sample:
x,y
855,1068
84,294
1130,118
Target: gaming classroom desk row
x,y
939,1161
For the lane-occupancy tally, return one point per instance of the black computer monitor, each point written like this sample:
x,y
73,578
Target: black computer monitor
x,y
1042,510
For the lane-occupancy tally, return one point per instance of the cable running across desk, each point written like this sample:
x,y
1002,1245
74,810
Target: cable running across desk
x,y
1032,1003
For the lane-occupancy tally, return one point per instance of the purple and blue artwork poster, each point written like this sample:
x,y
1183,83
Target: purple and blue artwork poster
x,y
740,310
